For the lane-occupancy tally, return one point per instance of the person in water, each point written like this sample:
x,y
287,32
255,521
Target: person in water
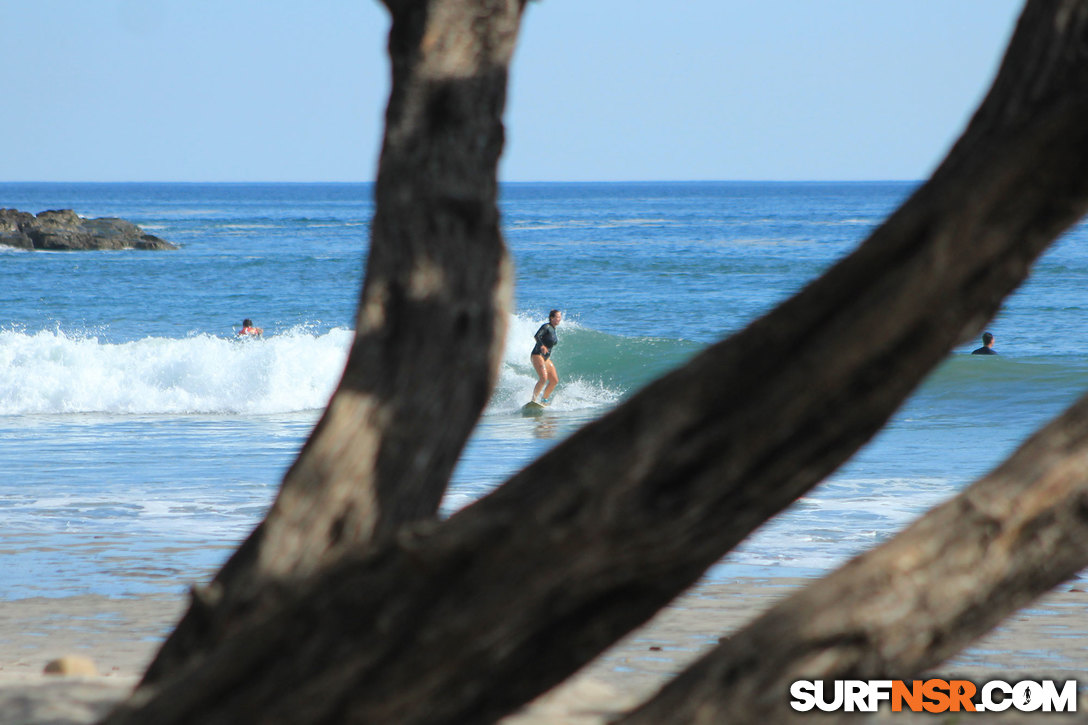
x,y
546,340
249,330
987,345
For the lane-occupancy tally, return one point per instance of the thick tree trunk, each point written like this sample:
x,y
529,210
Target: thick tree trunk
x,y
430,329
463,621
911,603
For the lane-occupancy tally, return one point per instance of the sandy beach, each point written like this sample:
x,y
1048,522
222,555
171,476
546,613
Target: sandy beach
x,y
120,635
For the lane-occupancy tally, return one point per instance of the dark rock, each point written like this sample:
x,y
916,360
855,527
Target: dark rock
x,y
11,224
64,229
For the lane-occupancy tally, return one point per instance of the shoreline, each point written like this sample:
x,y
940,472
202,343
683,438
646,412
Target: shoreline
x,y
122,634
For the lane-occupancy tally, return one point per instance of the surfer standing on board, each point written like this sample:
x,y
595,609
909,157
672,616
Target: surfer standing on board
x,y
249,330
546,340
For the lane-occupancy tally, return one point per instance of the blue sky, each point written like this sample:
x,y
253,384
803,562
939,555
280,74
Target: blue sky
x,y
282,90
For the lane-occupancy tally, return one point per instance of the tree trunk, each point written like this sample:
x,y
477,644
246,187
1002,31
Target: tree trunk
x,y
911,603
430,328
463,621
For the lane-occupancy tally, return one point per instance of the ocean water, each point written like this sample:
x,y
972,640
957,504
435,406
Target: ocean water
x,y
140,441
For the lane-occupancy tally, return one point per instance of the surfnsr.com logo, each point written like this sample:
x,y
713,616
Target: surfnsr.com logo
x,y
933,696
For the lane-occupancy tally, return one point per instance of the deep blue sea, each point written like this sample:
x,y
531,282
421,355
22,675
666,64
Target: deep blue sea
x,y
140,441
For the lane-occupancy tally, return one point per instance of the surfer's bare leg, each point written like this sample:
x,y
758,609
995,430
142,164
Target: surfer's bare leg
x,y
540,365
553,379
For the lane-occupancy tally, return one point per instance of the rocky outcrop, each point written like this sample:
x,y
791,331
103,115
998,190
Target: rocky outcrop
x,y
64,229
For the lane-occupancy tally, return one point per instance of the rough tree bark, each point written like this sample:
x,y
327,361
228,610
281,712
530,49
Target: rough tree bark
x,y
430,327
911,603
957,572
462,621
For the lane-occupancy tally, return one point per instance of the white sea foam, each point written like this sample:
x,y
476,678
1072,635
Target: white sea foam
x,y
54,372
841,518
50,372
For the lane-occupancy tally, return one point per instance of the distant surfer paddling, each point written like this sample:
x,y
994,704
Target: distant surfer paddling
x,y
249,329
987,345
546,340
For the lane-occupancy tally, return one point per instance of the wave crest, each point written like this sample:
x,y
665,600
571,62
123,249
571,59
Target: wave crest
x,y
50,372
53,372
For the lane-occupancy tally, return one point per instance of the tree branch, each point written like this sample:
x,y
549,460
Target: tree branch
x,y
463,621
430,327
911,603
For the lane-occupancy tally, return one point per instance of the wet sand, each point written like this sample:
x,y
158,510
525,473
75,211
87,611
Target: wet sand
x,y
121,635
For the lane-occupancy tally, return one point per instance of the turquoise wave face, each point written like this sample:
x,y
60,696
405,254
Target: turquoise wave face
x,y
596,369
620,363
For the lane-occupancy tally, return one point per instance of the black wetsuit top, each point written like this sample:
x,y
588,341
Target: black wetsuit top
x,y
546,337
984,351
